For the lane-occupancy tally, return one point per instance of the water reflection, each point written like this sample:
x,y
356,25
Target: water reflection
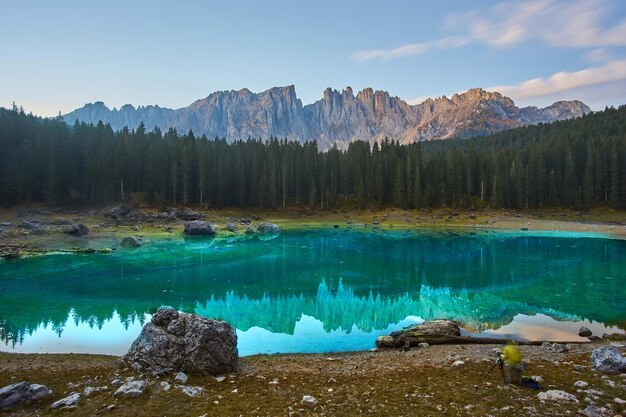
x,y
317,290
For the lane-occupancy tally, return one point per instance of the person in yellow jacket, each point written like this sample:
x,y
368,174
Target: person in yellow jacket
x,y
512,362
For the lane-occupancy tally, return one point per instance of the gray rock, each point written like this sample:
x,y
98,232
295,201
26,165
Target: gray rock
x,y
5,224
181,377
556,347
165,386
133,242
118,211
92,390
581,384
595,411
608,359
584,332
70,401
78,230
267,231
22,393
458,363
131,389
174,342
309,401
231,227
199,228
554,395
36,227
188,214
423,345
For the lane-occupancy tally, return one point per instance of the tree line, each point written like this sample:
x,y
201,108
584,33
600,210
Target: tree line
x,y
579,163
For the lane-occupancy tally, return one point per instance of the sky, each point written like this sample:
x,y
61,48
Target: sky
x,y
57,56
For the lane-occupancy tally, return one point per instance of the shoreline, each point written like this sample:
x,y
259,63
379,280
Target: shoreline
x,y
420,381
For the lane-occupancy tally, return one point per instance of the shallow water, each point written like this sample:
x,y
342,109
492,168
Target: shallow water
x,y
319,290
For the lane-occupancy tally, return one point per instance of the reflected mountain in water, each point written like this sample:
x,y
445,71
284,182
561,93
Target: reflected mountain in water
x,y
346,279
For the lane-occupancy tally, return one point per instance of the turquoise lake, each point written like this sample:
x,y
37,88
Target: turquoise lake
x,y
319,290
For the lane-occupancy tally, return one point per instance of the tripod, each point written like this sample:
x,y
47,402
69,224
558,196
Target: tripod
x,y
499,362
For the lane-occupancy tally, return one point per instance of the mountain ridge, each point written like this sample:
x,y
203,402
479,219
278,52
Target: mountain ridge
x,y
339,117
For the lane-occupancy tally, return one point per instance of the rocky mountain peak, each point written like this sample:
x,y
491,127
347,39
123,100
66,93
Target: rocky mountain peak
x,y
338,117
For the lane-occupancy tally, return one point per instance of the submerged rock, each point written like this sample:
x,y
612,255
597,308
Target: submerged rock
x,y
133,241
174,342
22,393
199,228
608,359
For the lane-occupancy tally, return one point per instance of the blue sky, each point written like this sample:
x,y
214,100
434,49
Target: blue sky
x,y
56,56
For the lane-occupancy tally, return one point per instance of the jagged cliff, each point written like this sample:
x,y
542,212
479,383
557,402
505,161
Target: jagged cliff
x,y
339,117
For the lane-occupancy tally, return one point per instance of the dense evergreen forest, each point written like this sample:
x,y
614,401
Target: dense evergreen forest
x,y
577,163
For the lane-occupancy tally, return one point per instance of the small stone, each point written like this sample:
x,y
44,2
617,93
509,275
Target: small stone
x,y
116,381
458,363
191,391
619,401
581,384
111,407
220,378
165,386
610,383
579,368
309,401
554,395
181,377
274,382
423,345
70,401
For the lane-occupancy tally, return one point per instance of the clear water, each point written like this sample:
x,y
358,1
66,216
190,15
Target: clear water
x,y
318,290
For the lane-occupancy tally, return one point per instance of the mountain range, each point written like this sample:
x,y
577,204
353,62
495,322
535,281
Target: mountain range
x,y
337,118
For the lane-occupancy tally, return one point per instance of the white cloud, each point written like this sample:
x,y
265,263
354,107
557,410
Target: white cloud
x,y
560,83
561,23
410,49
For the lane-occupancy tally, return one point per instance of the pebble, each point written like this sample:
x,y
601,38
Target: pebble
x,y
191,391
181,377
220,378
619,401
581,384
165,386
458,363
309,401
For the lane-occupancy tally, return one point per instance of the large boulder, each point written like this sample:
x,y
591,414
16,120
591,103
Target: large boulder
x,y
427,332
199,228
608,359
22,393
78,230
174,342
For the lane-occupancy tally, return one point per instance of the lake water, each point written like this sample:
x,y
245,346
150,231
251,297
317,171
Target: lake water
x,y
319,290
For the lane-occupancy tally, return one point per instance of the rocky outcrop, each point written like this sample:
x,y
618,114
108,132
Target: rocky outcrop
x,y
22,393
337,118
608,359
174,342
428,332
199,228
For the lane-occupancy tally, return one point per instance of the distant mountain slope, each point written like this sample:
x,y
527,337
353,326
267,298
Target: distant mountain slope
x,y
339,117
